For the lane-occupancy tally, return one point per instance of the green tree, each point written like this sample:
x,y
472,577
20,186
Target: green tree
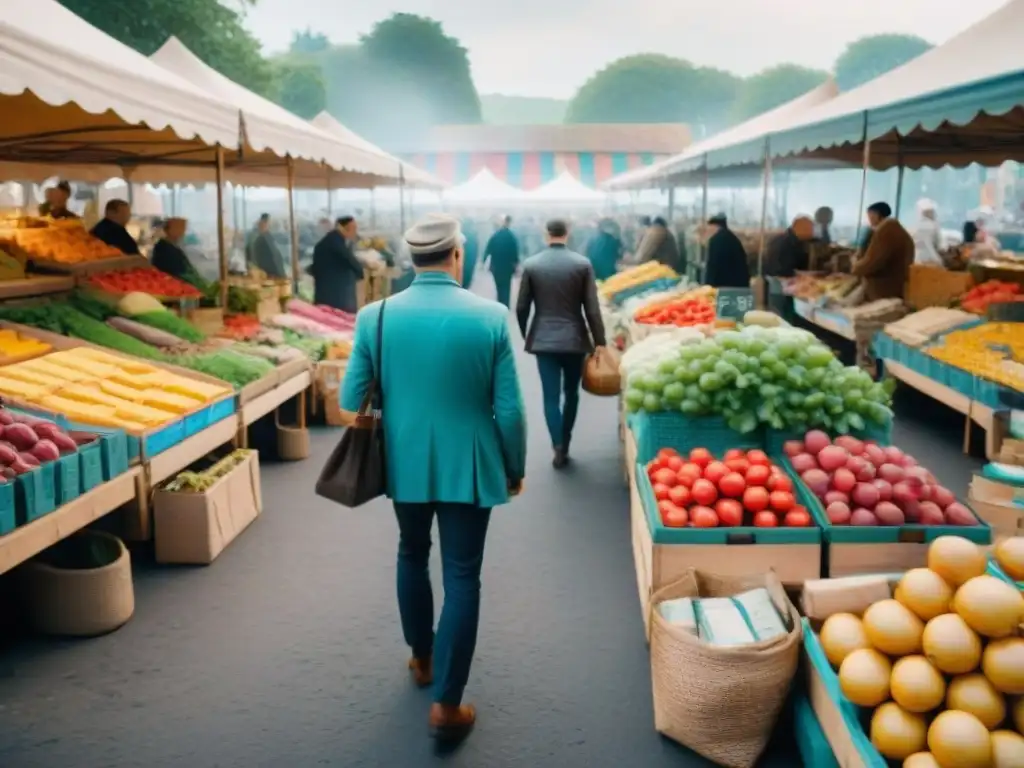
x,y
874,55
653,88
773,87
211,30
299,86
308,41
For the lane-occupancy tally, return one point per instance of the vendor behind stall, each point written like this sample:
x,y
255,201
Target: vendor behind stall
x,y
111,229
336,269
928,235
727,258
787,252
262,252
885,265
167,253
56,205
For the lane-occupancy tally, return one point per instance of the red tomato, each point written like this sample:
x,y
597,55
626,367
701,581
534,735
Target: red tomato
x,y
740,465
667,453
797,518
664,507
703,517
704,492
664,476
680,496
757,456
781,501
688,474
674,517
701,456
654,465
734,453
758,474
661,491
780,482
755,499
675,463
730,512
715,471
732,485
766,520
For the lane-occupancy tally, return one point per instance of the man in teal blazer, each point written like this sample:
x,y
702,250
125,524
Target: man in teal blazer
x,y
455,439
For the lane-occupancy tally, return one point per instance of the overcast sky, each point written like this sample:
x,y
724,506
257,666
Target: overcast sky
x,y
550,47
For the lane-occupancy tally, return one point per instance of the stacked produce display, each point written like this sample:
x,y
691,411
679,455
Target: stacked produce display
x,y
812,287
937,669
981,297
27,442
648,275
992,351
919,328
61,242
695,307
145,280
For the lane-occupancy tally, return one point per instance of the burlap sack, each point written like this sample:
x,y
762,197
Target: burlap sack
x,y
722,703
601,373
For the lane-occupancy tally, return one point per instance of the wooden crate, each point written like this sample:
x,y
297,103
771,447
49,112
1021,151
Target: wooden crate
x,y
929,286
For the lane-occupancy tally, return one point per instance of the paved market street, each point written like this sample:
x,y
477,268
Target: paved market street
x,y
287,651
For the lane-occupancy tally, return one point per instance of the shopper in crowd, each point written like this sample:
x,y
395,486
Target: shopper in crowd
x,y
885,265
112,228
456,448
659,244
559,286
726,257
168,255
605,249
335,269
928,235
502,258
263,252
56,203
978,243
823,225
787,252
471,248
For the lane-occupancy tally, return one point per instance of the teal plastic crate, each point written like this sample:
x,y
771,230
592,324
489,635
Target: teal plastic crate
x,y
854,718
999,573
883,534
35,493
209,415
775,439
90,457
740,535
654,431
68,474
8,516
814,748
961,381
163,439
988,393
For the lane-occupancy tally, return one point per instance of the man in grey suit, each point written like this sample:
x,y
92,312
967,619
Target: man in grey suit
x,y
559,286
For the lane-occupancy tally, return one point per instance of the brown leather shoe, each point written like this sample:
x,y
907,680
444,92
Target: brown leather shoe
x,y
451,723
422,671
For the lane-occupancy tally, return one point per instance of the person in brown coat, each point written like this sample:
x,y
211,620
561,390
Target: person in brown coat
x,y
886,261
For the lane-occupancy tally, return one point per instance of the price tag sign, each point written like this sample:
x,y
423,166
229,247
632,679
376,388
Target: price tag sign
x,y
733,303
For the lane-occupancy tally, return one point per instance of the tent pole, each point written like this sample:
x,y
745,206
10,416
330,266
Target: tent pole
x,y
401,200
703,220
293,233
899,177
671,203
330,197
222,251
373,208
863,180
764,206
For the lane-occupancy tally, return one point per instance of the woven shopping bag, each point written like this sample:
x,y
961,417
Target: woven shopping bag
x,y
722,703
601,373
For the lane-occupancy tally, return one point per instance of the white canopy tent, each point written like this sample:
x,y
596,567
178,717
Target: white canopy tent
x,y
483,188
567,189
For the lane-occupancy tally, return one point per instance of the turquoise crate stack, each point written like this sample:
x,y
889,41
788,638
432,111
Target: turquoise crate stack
x,y
654,431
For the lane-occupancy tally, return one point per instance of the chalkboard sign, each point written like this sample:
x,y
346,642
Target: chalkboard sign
x,y
734,303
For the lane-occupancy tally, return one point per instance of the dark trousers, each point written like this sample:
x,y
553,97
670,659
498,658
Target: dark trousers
x,y
560,375
462,529
503,285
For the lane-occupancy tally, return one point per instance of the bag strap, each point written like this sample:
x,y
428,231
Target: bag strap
x,y
376,385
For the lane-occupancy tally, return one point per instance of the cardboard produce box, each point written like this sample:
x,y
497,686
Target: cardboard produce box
x,y
193,528
1001,505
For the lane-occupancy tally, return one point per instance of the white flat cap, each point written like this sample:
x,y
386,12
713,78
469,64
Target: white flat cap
x,y
433,233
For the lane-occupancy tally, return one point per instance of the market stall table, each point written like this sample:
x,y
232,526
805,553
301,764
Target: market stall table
x,y
29,540
35,285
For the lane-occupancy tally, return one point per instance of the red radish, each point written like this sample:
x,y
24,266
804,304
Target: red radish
x,y
844,480
833,496
889,514
816,480
863,516
926,492
28,458
803,462
867,474
8,473
865,495
838,513
816,441
833,457
909,461
912,511
942,496
922,474
930,514
45,450
958,514
904,492
851,444
8,454
20,467
884,489
893,455
5,417
64,443
891,473
793,448
875,454
856,464
21,436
